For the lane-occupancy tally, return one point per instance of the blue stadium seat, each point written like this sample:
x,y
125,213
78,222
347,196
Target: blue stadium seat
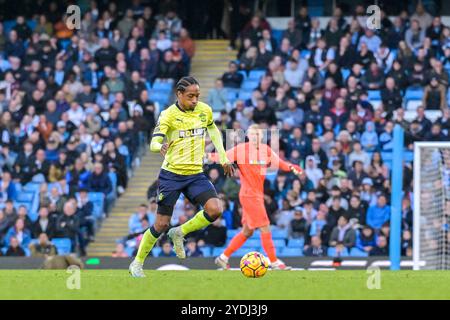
x,y
97,199
25,196
244,74
32,186
291,252
356,252
251,243
232,232
113,177
4,250
156,251
279,233
63,245
129,251
408,156
206,251
296,243
256,75
8,25
374,94
163,86
305,54
386,156
27,204
272,176
250,84
345,73
277,35
279,243
232,94
243,251
148,86
217,251
161,96
245,94
332,252
413,94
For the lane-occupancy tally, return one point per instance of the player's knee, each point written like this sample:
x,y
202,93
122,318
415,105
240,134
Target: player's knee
x,y
215,209
161,226
247,233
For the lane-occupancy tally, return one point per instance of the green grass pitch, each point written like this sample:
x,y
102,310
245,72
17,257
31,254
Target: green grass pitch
x,y
211,284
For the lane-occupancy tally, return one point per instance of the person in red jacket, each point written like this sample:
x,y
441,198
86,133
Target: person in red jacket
x,y
253,158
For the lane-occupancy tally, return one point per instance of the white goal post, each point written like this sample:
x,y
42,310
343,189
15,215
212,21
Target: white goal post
x,y
431,234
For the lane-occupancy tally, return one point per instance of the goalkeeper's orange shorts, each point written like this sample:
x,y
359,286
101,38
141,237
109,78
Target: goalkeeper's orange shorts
x,y
254,213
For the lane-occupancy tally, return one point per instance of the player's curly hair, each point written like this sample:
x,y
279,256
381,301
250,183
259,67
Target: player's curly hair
x,y
185,82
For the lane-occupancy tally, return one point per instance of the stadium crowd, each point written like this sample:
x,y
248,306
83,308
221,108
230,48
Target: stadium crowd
x,y
77,112
335,93
76,116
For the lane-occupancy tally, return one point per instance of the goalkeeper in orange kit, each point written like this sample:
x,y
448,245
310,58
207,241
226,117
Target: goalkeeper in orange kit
x,y
253,158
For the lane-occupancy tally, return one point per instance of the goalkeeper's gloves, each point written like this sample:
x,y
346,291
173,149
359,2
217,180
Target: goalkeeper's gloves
x,y
296,169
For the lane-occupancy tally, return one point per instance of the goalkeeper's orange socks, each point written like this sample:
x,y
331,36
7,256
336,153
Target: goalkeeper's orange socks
x,y
235,243
267,244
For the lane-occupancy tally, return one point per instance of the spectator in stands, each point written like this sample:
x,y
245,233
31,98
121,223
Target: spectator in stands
x,y
294,35
20,233
321,55
379,213
217,96
262,113
357,209
316,249
423,18
372,40
294,72
68,224
167,250
415,35
44,224
369,138
343,235
366,239
298,225
435,96
134,223
14,248
99,181
232,79
119,252
43,248
85,213
215,234
391,97
381,249
4,225
192,249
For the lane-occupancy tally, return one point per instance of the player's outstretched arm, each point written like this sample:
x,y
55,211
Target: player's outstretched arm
x,y
216,138
284,165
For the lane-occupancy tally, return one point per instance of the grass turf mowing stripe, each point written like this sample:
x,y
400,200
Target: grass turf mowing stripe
x,y
209,285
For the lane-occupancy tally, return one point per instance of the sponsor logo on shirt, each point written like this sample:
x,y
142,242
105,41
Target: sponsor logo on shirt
x,y
191,133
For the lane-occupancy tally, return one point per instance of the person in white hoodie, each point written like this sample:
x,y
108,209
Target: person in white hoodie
x,y
312,172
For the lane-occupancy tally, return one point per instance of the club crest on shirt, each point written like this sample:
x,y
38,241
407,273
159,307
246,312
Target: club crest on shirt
x,y
202,117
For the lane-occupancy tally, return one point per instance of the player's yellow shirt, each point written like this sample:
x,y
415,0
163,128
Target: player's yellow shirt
x,y
185,132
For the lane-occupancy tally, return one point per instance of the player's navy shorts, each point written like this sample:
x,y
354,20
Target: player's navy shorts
x,y
197,188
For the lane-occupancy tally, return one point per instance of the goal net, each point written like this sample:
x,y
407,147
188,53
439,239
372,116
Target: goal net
x,y
431,243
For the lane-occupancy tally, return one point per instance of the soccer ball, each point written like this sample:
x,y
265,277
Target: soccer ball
x,y
254,265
